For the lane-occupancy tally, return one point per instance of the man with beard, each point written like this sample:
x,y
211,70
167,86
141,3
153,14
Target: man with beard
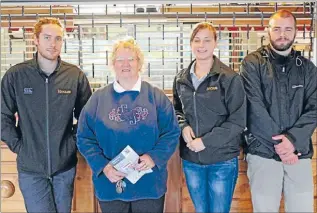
x,y
46,93
280,85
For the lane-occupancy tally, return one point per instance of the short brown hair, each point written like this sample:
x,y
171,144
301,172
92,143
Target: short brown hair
x,y
43,21
201,26
283,14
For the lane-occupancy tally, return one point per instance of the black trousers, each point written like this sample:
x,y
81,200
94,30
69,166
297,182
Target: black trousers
x,y
138,206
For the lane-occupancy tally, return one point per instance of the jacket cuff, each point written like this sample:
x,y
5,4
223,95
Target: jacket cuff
x,y
183,125
204,140
17,147
292,139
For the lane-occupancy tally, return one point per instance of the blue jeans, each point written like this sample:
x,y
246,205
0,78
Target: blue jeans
x,y
211,186
44,195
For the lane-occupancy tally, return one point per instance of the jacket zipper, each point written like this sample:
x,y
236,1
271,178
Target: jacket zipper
x,y
196,119
47,132
281,105
195,106
195,112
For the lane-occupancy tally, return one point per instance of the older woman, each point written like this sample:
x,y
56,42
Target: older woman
x,y
210,104
128,112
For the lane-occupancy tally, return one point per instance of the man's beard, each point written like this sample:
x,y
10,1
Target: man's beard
x,y
282,47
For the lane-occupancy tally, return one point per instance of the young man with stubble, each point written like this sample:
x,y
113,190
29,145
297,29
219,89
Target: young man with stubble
x,y
46,93
281,90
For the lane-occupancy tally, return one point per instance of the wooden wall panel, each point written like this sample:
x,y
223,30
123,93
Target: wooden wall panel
x,y
7,155
84,199
15,202
9,168
173,196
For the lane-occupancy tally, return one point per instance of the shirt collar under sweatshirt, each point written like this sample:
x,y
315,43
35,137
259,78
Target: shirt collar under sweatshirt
x,y
119,89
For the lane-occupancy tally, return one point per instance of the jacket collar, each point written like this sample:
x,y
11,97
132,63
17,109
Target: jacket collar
x,y
215,69
269,52
35,64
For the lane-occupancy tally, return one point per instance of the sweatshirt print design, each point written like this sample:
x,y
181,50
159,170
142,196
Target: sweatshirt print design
x,y
132,116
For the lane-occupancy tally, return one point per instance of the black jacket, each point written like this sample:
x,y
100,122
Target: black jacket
x,y
216,111
44,138
282,99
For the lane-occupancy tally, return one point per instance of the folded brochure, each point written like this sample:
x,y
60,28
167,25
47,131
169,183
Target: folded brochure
x,y
126,161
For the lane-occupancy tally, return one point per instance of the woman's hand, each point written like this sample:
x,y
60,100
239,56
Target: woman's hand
x,y
196,145
188,134
112,174
146,162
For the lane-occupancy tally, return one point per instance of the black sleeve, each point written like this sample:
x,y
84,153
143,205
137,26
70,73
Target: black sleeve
x,y
178,108
10,134
262,125
304,127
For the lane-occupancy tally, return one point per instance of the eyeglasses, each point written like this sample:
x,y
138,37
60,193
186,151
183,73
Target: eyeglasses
x,y
121,59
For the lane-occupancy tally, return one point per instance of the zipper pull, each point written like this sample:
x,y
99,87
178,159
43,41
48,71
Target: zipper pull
x,y
46,80
283,69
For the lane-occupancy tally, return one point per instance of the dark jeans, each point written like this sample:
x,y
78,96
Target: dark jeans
x,y
138,206
44,195
211,186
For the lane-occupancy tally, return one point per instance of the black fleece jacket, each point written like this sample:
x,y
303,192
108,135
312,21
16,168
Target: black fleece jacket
x,y
44,138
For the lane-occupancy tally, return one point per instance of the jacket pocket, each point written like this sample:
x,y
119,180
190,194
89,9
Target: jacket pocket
x,y
250,139
252,144
21,153
18,148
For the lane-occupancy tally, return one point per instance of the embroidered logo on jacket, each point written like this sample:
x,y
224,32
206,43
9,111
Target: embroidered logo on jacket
x,y
64,91
297,86
122,113
212,88
28,91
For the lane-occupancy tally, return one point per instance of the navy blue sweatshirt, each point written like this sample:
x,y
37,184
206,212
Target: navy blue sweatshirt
x,y
144,120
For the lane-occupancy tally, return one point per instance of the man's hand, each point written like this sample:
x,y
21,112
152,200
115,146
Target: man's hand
x,y
112,174
196,145
146,162
289,159
285,147
188,134
285,150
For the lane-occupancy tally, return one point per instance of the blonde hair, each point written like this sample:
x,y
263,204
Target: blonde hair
x,y
201,26
43,21
128,43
